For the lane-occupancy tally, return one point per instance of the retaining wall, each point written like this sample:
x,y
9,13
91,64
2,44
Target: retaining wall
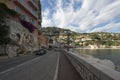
x,y
90,70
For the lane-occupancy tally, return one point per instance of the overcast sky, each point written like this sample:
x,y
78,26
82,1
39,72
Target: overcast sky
x,y
82,15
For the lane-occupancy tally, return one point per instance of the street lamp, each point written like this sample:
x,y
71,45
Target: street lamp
x,y
56,34
68,39
50,37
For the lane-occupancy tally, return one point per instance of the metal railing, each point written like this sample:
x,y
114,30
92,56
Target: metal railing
x,y
33,3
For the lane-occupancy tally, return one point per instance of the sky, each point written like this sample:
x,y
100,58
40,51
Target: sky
x,y
83,16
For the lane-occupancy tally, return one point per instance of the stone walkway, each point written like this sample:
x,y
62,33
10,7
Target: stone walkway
x,y
66,70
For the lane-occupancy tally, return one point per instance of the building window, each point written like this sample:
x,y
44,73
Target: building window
x,y
21,1
24,17
33,1
17,9
32,21
34,11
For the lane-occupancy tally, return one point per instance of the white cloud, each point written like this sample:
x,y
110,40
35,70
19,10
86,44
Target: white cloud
x,y
109,13
108,28
63,17
88,4
90,14
45,18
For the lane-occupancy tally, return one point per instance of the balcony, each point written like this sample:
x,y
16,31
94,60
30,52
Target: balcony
x,y
22,5
31,2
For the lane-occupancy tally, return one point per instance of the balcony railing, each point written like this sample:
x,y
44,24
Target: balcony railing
x,y
27,8
33,3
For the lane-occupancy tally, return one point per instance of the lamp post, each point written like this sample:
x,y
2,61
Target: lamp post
x,y
68,39
50,38
56,34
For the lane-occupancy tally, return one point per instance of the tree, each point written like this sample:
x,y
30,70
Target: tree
x,y
4,28
4,31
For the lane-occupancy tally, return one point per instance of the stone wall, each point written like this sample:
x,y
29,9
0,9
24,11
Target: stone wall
x,y
22,40
90,70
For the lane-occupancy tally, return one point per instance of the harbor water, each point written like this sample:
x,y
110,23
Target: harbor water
x,y
109,54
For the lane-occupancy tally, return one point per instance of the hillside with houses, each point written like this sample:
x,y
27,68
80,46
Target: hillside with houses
x,y
85,40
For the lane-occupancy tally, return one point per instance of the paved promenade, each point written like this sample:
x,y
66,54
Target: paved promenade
x,y
44,67
66,70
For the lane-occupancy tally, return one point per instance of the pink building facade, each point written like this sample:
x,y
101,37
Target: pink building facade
x,y
28,9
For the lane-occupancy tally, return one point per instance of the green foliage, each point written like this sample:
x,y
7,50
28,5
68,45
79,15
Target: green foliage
x,y
4,29
98,38
4,11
